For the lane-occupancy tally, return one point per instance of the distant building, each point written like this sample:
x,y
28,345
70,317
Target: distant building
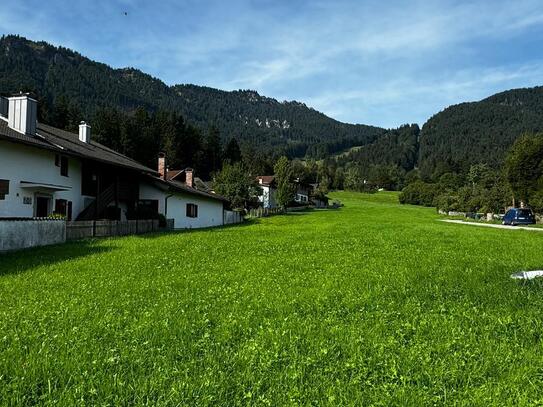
x,y
304,195
303,192
269,190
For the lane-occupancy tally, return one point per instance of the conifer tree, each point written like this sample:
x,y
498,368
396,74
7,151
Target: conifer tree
x,y
286,188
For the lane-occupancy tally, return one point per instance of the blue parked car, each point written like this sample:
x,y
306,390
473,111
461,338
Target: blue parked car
x,y
519,216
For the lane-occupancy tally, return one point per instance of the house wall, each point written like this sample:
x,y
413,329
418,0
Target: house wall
x,y
268,197
210,211
150,191
302,195
24,163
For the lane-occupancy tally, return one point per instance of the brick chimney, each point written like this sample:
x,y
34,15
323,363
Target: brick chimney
x,y
189,177
22,114
162,165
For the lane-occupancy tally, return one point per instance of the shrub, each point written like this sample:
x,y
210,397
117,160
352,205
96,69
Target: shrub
x,y
446,202
419,193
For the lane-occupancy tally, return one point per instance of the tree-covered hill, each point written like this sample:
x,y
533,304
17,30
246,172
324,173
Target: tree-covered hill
x,y
478,132
71,87
60,76
250,116
398,147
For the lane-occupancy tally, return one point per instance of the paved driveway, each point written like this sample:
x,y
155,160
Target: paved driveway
x,y
492,225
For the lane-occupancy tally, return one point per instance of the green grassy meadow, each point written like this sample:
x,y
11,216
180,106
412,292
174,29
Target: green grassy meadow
x,y
372,304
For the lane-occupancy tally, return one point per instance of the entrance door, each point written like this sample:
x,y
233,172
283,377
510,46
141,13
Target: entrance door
x,y
42,206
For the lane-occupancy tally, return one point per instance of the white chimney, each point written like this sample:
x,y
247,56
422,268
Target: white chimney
x,y
84,132
22,114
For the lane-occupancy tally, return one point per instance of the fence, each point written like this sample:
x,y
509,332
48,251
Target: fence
x,y
23,233
265,212
105,228
232,217
19,234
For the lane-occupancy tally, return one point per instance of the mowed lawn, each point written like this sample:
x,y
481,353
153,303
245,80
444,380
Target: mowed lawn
x,y
375,303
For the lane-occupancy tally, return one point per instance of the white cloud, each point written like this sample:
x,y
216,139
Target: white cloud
x,y
375,61
416,99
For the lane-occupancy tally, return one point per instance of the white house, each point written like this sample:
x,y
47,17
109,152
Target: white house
x,y
45,171
174,195
303,195
269,189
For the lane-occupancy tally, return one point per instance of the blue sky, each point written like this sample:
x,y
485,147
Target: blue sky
x,y
375,62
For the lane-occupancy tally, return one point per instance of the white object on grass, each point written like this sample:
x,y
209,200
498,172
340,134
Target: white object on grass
x,y
527,275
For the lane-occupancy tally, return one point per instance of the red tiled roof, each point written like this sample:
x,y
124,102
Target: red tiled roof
x,y
181,187
265,179
172,174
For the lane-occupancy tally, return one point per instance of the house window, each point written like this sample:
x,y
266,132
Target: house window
x,y
4,188
62,162
64,166
192,210
42,206
63,207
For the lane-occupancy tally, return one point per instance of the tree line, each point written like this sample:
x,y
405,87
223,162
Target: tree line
x,y
485,189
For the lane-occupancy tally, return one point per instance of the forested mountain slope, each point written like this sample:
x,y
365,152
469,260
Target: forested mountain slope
x,y
478,132
64,79
71,87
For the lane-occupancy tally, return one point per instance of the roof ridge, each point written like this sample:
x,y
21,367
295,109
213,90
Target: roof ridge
x,y
73,138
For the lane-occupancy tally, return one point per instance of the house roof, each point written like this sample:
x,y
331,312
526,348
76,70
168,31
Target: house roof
x,y
181,187
303,184
266,180
65,142
202,185
172,174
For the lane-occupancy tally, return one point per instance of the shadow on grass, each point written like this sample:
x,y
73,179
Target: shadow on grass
x,y
248,222
300,213
155,235
24,260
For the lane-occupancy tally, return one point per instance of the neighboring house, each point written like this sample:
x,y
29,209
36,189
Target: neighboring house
x,y
173,194
303,192
320,201
304,195
269,188
46,171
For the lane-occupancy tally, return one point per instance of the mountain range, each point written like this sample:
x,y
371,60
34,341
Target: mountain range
x,y
55,72
450,141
